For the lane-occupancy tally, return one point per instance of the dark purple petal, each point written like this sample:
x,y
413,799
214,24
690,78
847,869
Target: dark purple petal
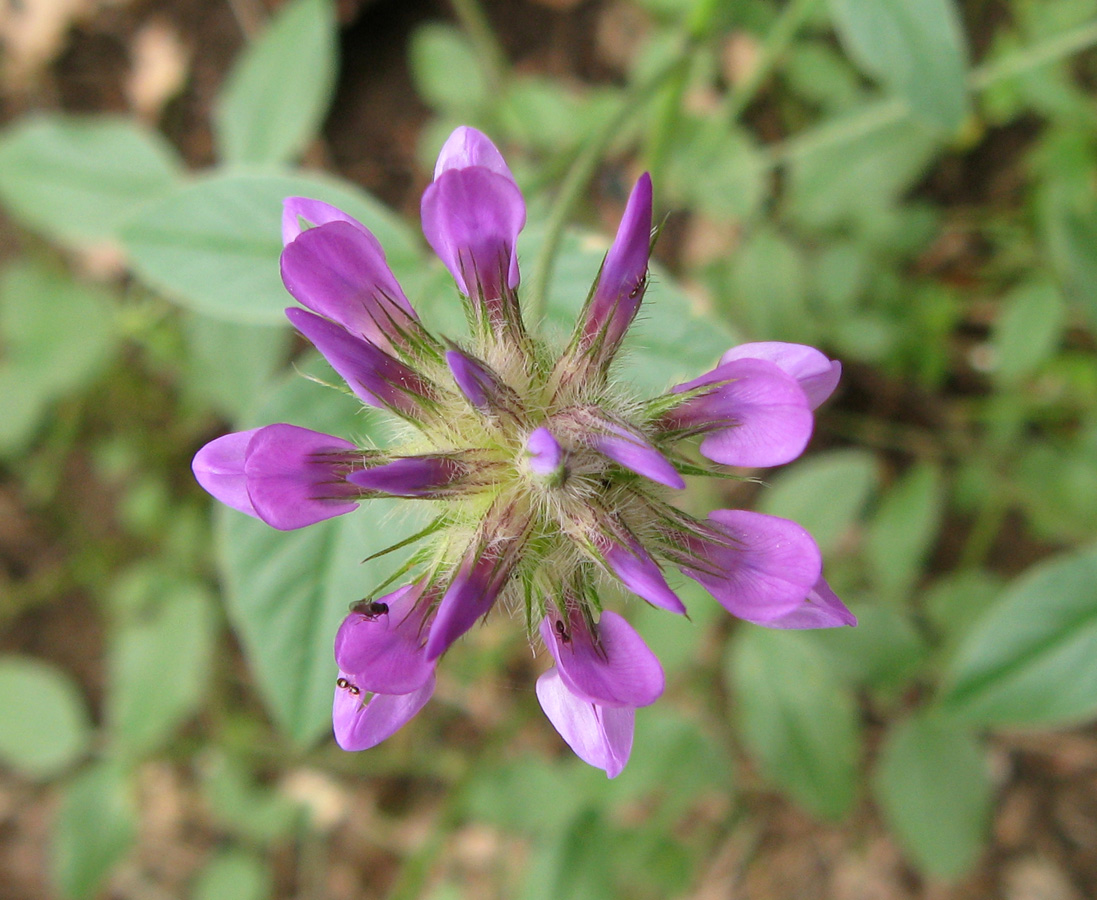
x,y
339,271
623,277
468,147
296,477
754,414
219,468
410,476
600,736
382,647
820,609
545,455
362,720
629,448
758,567
483,389
613,667
641,575
314,212
374,376
471,218
815,373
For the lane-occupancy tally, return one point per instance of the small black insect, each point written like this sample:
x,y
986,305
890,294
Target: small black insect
x,y
347,686
562,631
639,289
370,609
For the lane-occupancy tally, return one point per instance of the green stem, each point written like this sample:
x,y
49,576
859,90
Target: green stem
x,y
882,113
479,30
777,41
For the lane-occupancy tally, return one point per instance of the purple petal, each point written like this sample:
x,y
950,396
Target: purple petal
x,y
362,720
411,476
755,415
641,575
621,283
817,375
471,218
481,386
469,147
314,212
545,455
630,449
383,650
295,476
339,271
219,468
820,609
375,377
600,736
613,668
758,567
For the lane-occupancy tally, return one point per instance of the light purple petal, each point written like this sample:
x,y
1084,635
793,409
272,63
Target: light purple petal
x,y
480,385
375,377
294,476
219,468
759,567
621,283
362,720
755,415
339,271
546,456
600,736
471,218
641,575
613,668
816,374
469,147
411,476
384,651
314,212
820,609
470,596
631,449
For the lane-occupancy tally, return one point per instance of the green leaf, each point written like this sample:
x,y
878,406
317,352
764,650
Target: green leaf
x,y
213,245
278,91
932,783
254,812
44,724
95,828
903,530
883,652
733,186
445,68
288,591
797,719
233,875
1032,659
77,179
1027,332
825,493
768,288
916,49
1070,234
159,667
56,334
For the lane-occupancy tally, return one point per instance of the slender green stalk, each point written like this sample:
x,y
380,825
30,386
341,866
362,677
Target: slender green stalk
x,y
479,30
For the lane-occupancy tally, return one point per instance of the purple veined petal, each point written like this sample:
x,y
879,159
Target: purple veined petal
x,y
483,389
472,218
600,736
339,271
382,646
296,477
376,378
621,284
820,609
758,567
641,575
467,147
755,415
362,720
630,449
612,668
410,476
814,371
545,456
314,212
219,468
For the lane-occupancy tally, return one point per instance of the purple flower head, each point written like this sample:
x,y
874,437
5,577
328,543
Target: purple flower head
x,y
549,481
